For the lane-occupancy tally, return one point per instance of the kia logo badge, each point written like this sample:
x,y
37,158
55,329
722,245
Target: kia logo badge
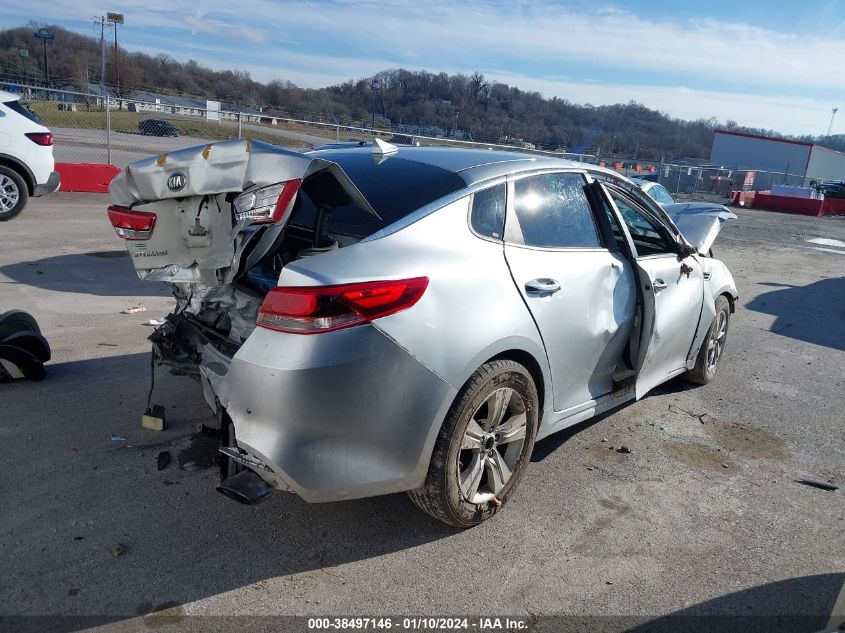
x,y
177,181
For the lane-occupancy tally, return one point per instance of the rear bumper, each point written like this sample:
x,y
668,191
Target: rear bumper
x,y
339,415
53,182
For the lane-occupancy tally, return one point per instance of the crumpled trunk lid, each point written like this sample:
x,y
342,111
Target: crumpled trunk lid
x,y
199,247
196,237
699,222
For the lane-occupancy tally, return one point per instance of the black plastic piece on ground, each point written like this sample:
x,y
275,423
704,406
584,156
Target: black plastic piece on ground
x,y
245,487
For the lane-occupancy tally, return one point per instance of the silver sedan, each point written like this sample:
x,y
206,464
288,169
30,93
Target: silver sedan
x,y
371,319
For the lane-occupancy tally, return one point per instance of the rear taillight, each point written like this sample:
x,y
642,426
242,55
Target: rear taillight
x,y
41,138
132,225
268,204
311,310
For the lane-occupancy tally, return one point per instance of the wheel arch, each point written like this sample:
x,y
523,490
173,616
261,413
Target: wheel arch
x,y
527,360
21,169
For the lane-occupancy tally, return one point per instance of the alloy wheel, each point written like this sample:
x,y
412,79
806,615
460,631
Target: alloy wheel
x,y
9,194
491,446
716,343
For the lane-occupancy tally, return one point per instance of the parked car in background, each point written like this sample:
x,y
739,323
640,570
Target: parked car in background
x,y
157,127
369,320
655,191
26,157
832,189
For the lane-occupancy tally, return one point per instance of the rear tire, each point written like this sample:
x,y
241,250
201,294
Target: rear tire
x,y
483,447
713,346
13,194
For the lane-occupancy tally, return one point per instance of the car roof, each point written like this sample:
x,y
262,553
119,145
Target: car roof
x,y
8,96
473,165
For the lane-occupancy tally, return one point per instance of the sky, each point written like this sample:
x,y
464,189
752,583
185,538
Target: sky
x,y
773,64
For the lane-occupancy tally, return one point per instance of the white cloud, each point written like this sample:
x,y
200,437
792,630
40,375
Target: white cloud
x,y
199,24
690,68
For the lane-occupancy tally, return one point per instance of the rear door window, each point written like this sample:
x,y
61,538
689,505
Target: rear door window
x,y
488,211
393,186
24,111
552,211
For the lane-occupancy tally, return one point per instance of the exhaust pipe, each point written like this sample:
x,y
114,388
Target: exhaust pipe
x,y
245,487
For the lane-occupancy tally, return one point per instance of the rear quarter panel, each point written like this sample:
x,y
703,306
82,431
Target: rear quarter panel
x,y
471,310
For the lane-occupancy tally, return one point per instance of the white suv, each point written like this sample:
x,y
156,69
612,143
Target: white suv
x,y
26,157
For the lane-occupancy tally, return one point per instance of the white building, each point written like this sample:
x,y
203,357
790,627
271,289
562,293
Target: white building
x,y
740,151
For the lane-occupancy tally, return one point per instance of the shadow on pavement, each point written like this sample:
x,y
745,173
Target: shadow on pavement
x,y
795,605
100,273
71,494
813,313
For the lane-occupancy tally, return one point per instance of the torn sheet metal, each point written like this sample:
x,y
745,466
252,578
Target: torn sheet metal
x,y
195,239
225,167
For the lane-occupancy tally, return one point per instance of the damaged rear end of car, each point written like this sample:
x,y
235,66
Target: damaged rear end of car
x,y
286,355
210,221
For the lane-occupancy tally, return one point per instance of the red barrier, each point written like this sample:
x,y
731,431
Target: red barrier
x,y
91,178
802,206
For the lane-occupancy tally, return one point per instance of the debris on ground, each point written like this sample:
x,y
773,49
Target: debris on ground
x,y
23,350
153,418
822,485
604,439
117,550
133,310
155,322
704,418
624,449
163,460
118,438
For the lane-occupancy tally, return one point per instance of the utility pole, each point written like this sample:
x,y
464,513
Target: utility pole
x,y
115,19
102,21
830,127
45,36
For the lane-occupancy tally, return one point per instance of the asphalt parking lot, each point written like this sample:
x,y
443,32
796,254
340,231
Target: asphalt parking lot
x,y
703,517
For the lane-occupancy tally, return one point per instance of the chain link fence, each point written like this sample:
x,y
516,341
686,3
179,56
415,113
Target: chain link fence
x,y
90,128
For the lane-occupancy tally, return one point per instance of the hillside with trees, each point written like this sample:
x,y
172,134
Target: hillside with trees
x,y
463,105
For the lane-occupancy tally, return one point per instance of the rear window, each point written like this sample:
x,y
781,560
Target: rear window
x,y
393,186
23,110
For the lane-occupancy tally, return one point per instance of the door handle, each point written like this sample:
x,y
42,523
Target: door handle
x,y
659,285
542,286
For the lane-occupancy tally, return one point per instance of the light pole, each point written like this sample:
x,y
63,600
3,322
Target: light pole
x,y
45,36
115,19
102,21
833,114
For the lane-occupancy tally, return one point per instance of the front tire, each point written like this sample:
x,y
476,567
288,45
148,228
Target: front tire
x,y
483,447
713,346
13,194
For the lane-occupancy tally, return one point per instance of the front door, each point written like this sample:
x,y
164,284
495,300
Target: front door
x,y
580,293
672,289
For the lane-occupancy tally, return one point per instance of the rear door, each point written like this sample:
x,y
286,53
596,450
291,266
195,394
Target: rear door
x,y
581,294
672,289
